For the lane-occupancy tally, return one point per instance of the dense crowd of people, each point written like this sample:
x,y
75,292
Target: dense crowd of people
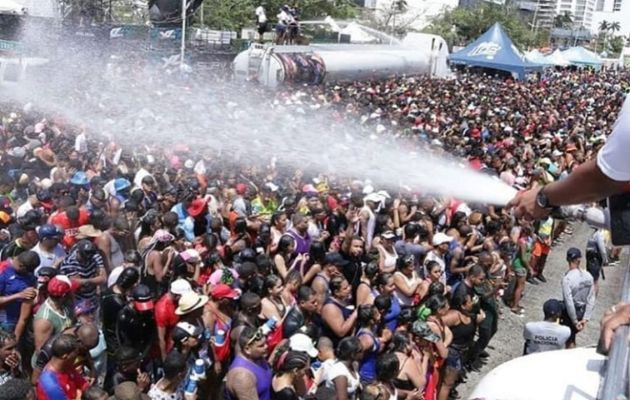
x,y
138,273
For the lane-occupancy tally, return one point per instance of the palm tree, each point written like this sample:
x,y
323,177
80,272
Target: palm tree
x,y
563,20
602,38
615,27
400,6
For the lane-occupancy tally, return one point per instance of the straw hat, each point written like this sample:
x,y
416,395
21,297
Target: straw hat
x,y
190,302
47,156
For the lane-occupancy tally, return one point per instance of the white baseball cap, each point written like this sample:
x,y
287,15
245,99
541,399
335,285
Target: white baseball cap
x,y
301,342
441,238
180,286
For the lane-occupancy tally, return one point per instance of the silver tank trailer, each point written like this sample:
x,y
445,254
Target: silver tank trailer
x,y
275,65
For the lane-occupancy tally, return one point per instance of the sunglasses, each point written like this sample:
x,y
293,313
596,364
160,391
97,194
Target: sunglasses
x,y
257,336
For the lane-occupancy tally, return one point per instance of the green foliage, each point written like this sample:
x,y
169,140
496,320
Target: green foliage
x,y
462,25
607,40
616,45
563,21
615,27
237,14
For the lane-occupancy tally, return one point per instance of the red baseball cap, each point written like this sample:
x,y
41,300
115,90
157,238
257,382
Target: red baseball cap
x,y
61,285
241,188
197,207
223,291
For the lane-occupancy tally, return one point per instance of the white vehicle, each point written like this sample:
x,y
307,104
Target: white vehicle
x,y
332,62
573,374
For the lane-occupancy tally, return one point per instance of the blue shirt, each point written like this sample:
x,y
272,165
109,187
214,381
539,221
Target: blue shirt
x,y
181,212
12,282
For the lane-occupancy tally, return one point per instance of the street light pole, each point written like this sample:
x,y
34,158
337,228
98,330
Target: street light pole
x,y
182,50
535,17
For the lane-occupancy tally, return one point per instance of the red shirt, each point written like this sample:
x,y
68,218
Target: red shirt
x,y
56,385
475,164
70,227
166,318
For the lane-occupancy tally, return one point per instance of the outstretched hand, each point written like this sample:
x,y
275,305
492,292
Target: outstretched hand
x,y
524,204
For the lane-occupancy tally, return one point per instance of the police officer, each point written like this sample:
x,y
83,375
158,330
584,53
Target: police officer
x,y
578,290
548,334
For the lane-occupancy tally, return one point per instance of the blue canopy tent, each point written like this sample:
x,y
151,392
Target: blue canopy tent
x,y
582,57
494,49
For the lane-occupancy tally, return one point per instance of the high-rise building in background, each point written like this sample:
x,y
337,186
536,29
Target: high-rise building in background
x,y
544,14
417,14
612,11
586,15
581,11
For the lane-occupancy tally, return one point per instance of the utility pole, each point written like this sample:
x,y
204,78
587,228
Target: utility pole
x,y
182,51
534,21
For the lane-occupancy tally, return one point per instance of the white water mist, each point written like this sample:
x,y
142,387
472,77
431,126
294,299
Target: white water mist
x,y
244,123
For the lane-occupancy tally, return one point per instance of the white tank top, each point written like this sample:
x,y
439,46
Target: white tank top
x,y
403,299
390,258
370,226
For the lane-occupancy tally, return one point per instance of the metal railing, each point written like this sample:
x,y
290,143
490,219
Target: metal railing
x,y
616,382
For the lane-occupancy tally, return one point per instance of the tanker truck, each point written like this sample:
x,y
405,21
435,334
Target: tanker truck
x,y
273,65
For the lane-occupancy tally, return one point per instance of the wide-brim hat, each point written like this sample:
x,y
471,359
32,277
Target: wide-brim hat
x,y
46,156
422,330
190,301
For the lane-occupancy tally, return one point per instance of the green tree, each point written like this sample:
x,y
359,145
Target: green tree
x,y
602,36
237,14
615,27
616,45
563,21
459,26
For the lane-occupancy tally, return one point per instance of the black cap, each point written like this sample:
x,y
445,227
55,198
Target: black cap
x,y
30,220
128,277
141,293
335,259
148,180
553,308
85,248
573,254
126,354
48,272
44,195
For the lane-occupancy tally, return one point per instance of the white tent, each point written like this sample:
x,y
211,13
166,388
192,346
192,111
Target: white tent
x,y
40,8
556,58
536,57
11,7
581,56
